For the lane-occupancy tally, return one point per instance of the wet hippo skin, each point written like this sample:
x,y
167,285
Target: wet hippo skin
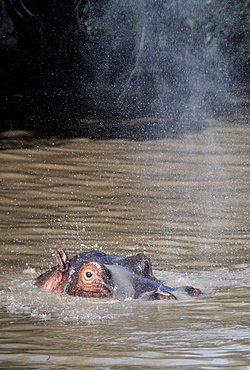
x,y
101,275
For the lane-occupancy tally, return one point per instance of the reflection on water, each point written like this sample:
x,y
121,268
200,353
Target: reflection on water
x,y
183,201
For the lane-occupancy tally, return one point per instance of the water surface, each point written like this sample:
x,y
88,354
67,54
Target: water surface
x,y
184,201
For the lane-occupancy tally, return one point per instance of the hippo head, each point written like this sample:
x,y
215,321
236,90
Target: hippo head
x,y
100,275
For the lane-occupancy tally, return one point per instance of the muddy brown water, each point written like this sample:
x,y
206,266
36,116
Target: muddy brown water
x,y
184,201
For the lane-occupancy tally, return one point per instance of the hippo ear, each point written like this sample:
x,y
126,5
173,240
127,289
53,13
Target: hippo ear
x,y
63,261
146,265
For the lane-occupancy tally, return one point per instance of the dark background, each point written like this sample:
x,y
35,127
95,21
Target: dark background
x,y
62,61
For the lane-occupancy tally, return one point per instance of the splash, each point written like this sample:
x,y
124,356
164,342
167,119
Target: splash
x,y
157,59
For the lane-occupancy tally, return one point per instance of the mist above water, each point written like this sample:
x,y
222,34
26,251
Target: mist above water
x,y
154,58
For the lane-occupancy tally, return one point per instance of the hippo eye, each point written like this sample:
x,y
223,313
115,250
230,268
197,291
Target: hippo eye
x,y
88,274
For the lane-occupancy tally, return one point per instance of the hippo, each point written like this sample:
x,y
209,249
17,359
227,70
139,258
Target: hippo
x,y
100,275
